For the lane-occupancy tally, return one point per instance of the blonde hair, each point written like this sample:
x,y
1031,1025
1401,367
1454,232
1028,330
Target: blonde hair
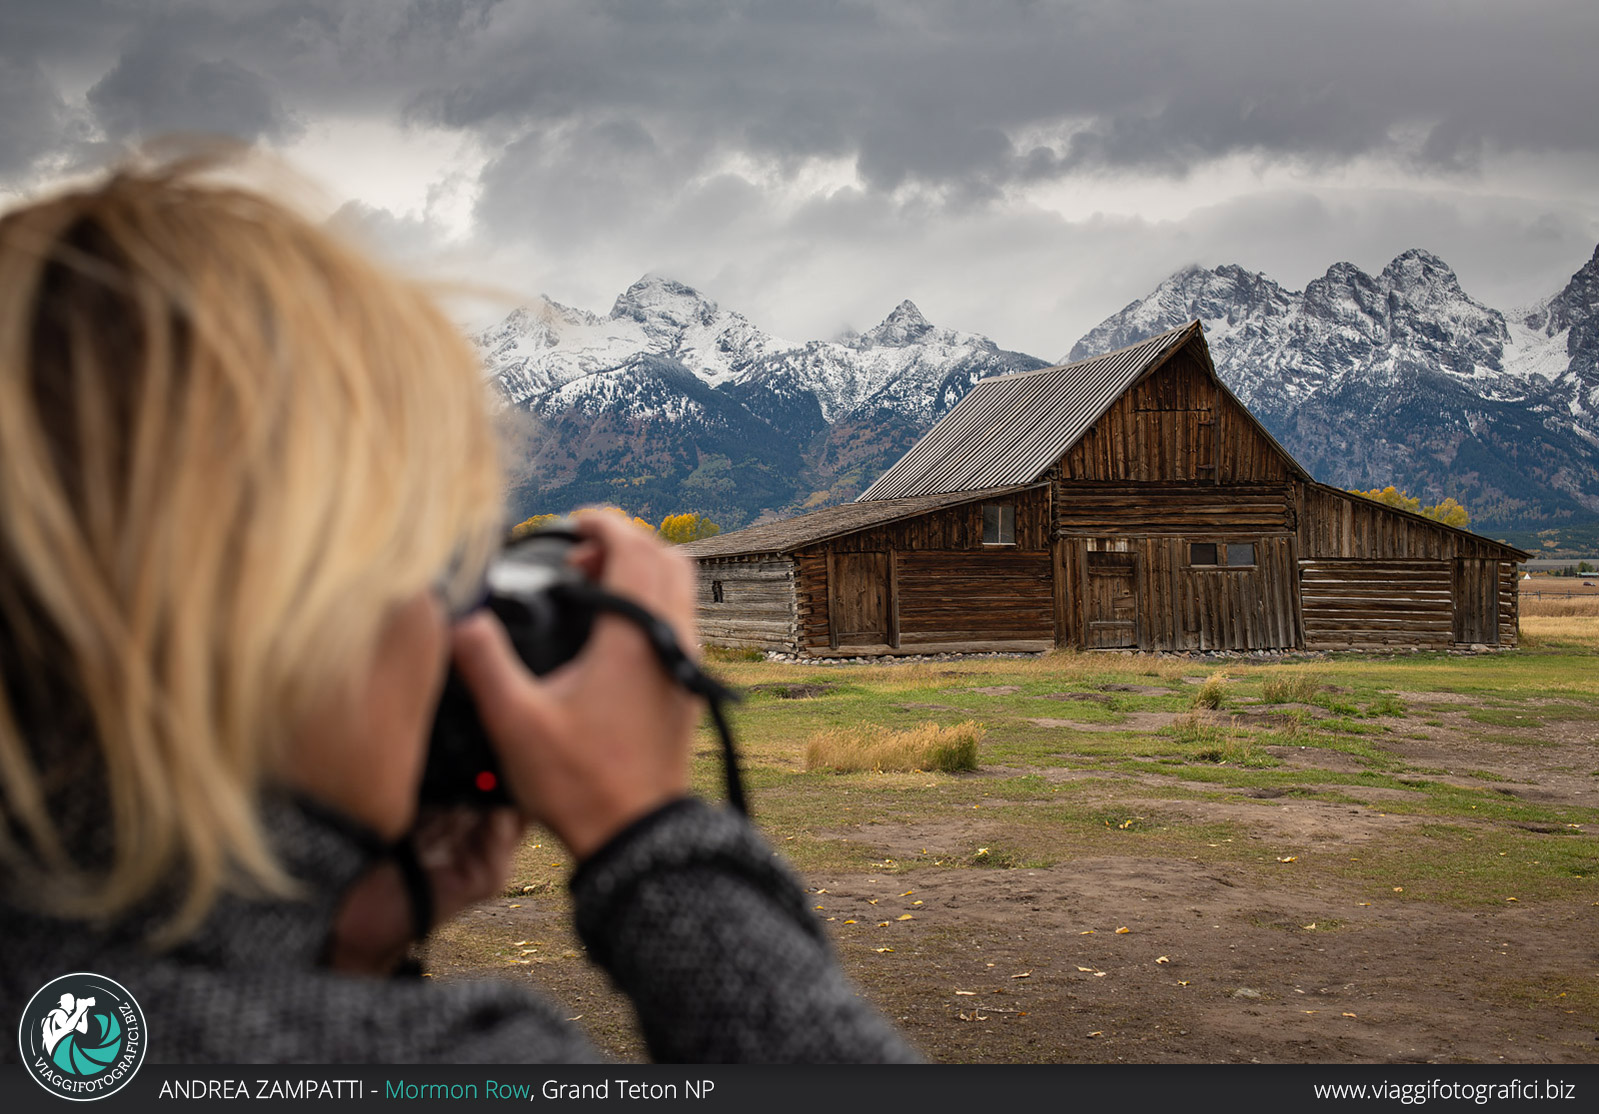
x,y
229,443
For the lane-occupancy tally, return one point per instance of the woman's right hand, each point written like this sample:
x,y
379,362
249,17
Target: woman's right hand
x,y
604,740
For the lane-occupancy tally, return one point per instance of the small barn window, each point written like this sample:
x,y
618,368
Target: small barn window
x,y
716,592
1223,555
999,524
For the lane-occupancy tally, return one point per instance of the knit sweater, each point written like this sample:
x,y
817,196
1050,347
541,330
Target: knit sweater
x,y
689,911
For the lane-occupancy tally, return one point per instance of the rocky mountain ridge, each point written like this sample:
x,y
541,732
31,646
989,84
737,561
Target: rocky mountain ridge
x,y
1402,377
672,402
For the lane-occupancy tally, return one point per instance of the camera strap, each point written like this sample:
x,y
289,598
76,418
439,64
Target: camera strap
x,y
678,666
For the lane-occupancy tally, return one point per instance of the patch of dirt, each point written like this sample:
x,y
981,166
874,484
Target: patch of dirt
x,y
1141,690
1131,721
933,708
998,690
1264,953
1094,697
793,691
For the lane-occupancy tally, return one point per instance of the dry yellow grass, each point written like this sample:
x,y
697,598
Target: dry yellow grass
x,y
1291,687
1572,607
927,746
1553,630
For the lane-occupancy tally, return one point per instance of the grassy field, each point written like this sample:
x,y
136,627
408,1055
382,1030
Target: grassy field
x,y
1334,858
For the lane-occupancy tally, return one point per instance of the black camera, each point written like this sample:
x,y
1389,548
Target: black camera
x,y
540,599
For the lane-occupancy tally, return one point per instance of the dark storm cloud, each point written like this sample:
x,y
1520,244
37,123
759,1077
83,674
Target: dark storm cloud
x,y
156,88
924,92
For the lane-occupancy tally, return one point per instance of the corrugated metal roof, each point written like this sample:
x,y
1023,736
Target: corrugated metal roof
x,y
831,522
1010,428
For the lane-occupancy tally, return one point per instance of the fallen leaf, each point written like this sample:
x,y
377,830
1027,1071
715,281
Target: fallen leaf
x,y
1123,930
1363,903
1163,959
1090,970
1023,975
1288,858
907,893
871,901
1097,1033
968,993
1182,982
880,951
817,907
1088,932
852,922
513,907
821,891
1512,899
905,917
884,924
916,903
1309,1011
1099,974
519,944
1309,927
1399,889
1349,1015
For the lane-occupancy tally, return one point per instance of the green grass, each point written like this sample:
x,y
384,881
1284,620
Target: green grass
x,y
1044,793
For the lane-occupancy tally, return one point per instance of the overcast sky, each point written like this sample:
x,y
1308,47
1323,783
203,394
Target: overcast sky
x,y
1020,168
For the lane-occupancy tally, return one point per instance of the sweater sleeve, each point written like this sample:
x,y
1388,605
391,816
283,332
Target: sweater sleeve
x,y
697,920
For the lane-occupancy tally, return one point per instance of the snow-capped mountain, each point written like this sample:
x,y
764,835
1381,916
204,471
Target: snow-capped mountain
x,y
671,402
1404,378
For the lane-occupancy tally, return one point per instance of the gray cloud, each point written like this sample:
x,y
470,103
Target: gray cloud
x,y
33,117
156,88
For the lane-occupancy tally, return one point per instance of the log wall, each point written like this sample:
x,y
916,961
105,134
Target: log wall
x,y
1377,605
758,606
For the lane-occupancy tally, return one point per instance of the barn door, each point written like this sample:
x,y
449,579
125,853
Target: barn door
x,y
1476,592
859,599
1111,607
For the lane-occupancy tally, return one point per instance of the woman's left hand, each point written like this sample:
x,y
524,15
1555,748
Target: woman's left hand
x,y
466,855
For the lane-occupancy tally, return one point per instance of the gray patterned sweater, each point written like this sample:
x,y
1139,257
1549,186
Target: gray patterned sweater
x,y
689,911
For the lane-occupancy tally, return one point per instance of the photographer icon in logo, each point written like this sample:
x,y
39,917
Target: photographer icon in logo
x,y
82,1036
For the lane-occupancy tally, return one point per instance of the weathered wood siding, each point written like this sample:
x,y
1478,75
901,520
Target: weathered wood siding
x,y
930,583
1375,605
1411,582
1177,606
1509,605
1187,509
1176,424
956,597
758,609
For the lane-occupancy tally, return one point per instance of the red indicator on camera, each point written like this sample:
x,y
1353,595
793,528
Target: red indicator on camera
x,y
486,781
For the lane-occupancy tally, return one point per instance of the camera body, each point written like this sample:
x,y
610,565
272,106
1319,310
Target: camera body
x,y
529,588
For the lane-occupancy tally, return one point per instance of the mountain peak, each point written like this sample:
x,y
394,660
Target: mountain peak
x,y
658,298
1418,265
904,325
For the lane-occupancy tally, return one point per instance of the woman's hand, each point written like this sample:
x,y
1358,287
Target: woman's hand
x,y
604,740
465,854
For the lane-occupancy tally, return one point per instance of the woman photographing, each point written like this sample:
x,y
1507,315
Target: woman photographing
x,y
248,486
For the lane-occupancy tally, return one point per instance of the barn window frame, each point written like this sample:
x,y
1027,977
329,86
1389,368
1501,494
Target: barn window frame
x,y
999,523
718,593
1223,556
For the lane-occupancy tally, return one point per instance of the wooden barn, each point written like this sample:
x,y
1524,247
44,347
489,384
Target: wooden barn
x,y
1129,501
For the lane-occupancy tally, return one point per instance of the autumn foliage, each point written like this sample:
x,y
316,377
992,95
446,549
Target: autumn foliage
x,y
674,528
1449,512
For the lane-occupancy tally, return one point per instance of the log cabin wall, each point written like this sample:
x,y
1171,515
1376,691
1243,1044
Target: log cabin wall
x,y
749,602
1375,578
930,584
